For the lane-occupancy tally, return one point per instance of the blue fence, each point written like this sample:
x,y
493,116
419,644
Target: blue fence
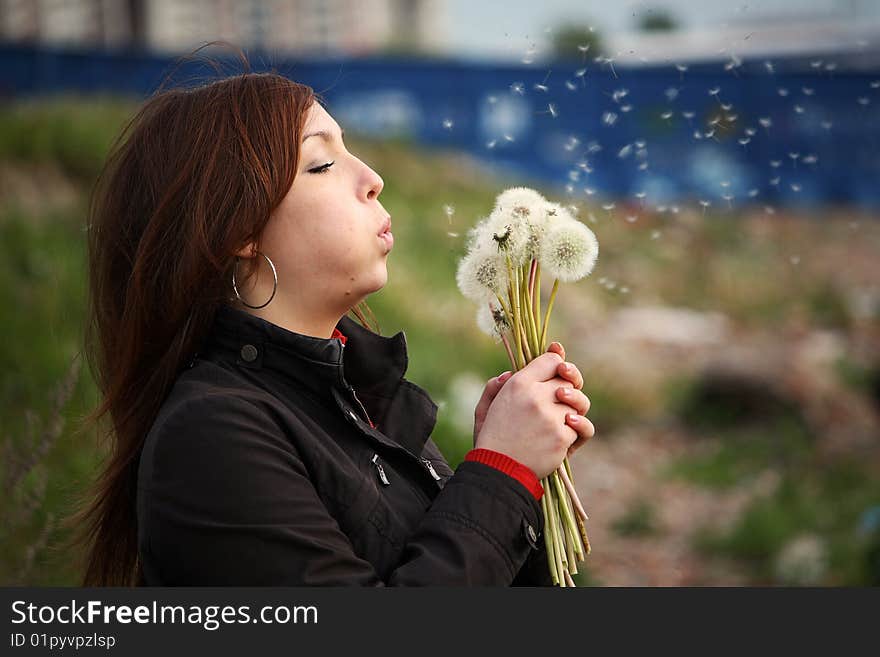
x,y
790,132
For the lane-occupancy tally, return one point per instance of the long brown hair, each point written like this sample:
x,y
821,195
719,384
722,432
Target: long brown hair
x,y
192,178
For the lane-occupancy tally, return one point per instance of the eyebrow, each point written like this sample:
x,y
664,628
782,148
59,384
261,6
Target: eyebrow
x,y
326,136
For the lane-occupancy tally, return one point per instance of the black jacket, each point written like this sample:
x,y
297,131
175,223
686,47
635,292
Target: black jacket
x,y
262,468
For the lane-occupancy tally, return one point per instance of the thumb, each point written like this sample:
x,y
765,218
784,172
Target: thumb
x,y
491,391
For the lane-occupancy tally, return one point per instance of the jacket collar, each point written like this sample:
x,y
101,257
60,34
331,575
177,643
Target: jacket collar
x,y
372,364
363,359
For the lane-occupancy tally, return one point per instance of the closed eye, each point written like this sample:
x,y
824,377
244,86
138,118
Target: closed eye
x,y
322,168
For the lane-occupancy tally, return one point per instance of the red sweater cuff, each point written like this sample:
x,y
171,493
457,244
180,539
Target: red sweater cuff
x,y
507,465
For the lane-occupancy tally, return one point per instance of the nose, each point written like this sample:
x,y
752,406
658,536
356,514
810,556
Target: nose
x,y
373,184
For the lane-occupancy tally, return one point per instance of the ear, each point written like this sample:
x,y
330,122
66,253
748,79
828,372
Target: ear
x,y
249,250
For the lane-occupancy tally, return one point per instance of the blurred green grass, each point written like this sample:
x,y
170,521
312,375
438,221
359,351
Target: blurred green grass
x,y
706,265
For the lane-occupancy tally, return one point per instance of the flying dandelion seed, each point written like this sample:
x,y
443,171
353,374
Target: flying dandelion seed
x,y
449,210
609,118
715,120
830,67
688,115
816,64
447,124
491,144
769,66
452,234
491,100
808,91
675,209
591,217
705,205
625,151
863,101
572,143
626,108
753,193
640,144
624,290
552,109
795,187
580,72
610,62
775,163
540,87
574,175
727,106
743,141
724,183
641,196
608,207
518,88
508,138
631,218
826,125
643,166
571,86
750,132
655,234
682,69
810,159
619,95
798,109
698,134
731,118
666,116
710,135
782,91
765,123
795,259
794,157
714,91
769,209
875,84
728,198
671,94
775,181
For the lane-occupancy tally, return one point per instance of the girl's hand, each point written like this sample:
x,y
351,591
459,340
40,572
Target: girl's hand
x,y
576,400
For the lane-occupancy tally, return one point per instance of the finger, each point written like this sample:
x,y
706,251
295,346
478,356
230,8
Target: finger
x,y
572,373
557,347
574,398
542,368
493,386
584,429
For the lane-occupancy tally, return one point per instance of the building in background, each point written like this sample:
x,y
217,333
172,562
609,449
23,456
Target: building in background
x,y
357,27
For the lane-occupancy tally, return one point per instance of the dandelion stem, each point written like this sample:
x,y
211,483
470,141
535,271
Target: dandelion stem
x,y
536,299
572,493
548,541
528,318
509,352
549,309
514,304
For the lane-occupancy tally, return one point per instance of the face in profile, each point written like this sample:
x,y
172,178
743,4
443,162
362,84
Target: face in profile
x,y
326,237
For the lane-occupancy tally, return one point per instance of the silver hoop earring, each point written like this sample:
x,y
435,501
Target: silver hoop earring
x,y
274,288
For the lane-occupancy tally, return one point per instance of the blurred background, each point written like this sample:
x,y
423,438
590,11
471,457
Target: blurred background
x,y
725,155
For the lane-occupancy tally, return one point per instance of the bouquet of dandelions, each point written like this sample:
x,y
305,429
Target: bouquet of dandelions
x,y
501,271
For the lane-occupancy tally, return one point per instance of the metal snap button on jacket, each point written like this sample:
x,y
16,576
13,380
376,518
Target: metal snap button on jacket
x,y
249,353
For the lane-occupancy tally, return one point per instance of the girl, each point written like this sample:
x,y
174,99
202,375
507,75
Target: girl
x,y
261,436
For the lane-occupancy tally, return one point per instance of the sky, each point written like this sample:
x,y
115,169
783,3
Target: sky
x,y
492,28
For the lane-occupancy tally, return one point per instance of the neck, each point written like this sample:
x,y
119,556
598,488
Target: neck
x,y
318,325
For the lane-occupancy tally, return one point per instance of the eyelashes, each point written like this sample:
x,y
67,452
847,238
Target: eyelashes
x,y
322,168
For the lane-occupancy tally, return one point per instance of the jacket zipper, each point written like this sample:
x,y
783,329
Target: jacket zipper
x,y
431,469
380,470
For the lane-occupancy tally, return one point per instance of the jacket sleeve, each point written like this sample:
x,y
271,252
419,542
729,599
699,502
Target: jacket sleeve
x,y
225,500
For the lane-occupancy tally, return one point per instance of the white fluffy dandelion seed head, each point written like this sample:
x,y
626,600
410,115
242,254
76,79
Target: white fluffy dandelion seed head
x,y
569,251
507,233
492,321
519,202
482,274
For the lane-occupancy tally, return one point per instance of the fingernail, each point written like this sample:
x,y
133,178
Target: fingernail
x,y
574,419
566,392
